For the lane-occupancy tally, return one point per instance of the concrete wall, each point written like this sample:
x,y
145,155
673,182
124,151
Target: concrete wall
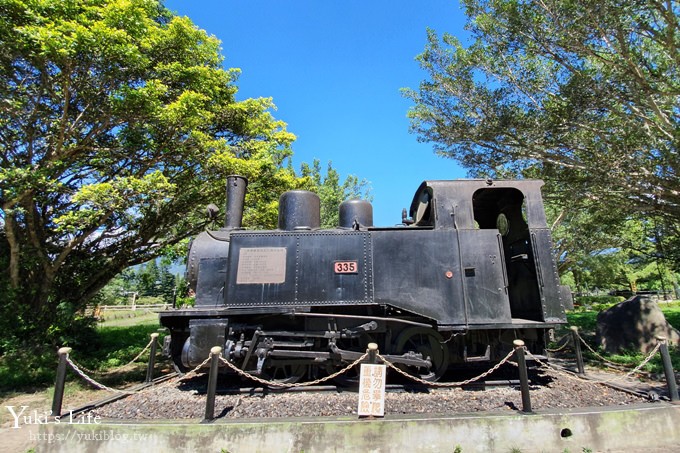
x,y
627,428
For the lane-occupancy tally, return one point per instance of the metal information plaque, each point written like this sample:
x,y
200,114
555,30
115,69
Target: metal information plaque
x,y
372,390
261,265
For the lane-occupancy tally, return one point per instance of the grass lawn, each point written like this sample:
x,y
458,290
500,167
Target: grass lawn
x,y
115,342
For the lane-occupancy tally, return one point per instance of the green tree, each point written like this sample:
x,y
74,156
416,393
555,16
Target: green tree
x,y
117,291
118,123
331,192
148,277
583,94
166,286
594,250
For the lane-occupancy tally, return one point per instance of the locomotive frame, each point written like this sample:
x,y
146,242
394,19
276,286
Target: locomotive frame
x,y
468,271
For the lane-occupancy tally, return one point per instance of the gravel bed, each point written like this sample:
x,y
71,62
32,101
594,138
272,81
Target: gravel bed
x,y
186,400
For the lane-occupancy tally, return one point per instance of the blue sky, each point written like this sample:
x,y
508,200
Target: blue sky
x,y
334,70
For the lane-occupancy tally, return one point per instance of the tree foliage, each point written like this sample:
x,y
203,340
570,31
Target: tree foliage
x,y
583,94
331,192
566,83
118,123
151,280
595,251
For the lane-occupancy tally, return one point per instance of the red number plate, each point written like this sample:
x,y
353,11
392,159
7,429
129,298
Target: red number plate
x,y
346,267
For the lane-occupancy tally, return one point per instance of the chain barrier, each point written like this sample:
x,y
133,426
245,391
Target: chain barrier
x,y
113,370
600,356
292,384
92,381
619,378
352,365
556,371
101,386
270,383
190,373
566,343
266,382
180,377
445,384
79,369
639,367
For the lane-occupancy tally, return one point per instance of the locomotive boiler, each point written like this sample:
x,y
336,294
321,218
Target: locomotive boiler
x,y
467,271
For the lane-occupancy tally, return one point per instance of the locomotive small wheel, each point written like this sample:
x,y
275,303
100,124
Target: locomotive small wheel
x,y
177,341
429,343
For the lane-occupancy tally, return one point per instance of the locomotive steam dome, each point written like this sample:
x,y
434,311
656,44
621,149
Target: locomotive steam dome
x,y
299,210
357,210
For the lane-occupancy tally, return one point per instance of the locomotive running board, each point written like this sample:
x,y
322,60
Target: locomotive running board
x,y
373,318
517,323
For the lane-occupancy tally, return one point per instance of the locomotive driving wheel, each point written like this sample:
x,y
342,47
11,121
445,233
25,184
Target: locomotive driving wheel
x,y
284,372
429,344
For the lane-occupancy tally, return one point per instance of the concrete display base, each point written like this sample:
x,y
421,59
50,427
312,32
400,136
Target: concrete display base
x,y
626,428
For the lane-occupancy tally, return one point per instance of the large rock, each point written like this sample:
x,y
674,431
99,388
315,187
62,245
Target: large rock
x,y
634,324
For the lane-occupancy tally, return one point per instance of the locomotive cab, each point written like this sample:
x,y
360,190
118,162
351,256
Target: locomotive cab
x,y
512,212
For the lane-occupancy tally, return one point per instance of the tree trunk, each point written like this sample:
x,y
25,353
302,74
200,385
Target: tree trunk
x,y
14,249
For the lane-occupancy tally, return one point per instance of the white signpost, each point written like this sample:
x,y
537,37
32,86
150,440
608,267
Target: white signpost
x,y
372,390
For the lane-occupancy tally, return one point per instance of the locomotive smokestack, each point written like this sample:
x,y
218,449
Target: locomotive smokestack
x,y
236,195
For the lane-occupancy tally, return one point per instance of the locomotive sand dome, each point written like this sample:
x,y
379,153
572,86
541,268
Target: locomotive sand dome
x,y
468,271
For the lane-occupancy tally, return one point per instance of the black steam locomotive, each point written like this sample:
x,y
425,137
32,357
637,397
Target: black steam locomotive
x,y
467,271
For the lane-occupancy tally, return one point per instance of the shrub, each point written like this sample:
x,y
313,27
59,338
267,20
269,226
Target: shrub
x,y
598,303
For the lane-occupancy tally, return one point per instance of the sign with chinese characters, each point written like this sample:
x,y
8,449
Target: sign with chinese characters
x,y
261,265
372,390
